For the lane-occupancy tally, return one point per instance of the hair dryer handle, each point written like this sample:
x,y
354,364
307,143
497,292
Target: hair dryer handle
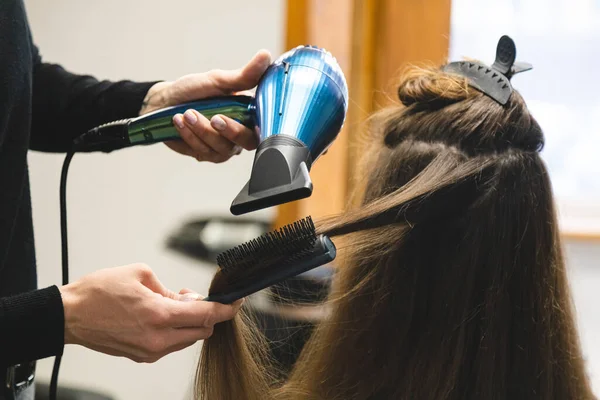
x,y
158,125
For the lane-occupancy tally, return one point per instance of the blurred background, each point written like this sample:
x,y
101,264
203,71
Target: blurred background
x,y
123,208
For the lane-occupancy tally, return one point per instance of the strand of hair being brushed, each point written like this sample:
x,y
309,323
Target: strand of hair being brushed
x,y
444,171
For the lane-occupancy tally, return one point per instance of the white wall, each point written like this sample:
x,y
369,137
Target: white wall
x,y
123,205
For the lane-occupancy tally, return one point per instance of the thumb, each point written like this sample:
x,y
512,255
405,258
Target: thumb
x,y
246,77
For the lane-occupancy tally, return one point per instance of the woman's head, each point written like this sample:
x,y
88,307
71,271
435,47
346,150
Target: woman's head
x,y
453,284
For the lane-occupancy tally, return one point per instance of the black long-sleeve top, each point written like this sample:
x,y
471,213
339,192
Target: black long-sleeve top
x,y
42,107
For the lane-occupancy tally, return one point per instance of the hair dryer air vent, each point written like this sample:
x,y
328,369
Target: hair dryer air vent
x,y
301,104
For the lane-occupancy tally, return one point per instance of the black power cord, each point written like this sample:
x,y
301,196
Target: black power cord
x,y
65,255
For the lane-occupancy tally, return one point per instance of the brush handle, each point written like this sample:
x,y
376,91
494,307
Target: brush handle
x,y
158,125
323,252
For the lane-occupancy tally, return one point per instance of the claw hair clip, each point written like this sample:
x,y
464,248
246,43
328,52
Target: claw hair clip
x,y
493,80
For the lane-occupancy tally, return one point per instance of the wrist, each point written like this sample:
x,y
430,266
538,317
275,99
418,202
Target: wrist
x,y
156,98
71,303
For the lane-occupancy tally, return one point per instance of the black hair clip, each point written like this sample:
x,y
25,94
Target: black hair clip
x,y
494,81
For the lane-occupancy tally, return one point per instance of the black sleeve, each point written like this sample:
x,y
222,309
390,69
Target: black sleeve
x,y
66,105
33,326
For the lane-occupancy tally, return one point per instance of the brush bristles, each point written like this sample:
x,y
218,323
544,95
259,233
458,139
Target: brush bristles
x,y
289,241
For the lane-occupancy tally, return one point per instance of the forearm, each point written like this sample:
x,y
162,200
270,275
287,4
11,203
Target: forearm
x,y
66,105
31,326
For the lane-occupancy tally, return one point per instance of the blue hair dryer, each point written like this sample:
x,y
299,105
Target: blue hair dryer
x,y
301,104
298,110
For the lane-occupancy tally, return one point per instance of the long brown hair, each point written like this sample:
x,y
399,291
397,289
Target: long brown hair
x,y
453,284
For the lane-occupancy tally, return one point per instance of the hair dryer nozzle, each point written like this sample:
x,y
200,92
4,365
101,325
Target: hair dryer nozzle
x,y
279,175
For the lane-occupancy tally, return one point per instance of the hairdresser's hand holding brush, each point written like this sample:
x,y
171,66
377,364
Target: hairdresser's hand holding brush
x,y
220,138
127,312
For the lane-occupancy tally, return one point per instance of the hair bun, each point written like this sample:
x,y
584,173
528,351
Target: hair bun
x,y
432,87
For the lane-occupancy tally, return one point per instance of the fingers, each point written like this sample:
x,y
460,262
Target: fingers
x,y
189,137
197,147
218,140
168,341
175,310
150,280
189,335
199,314
204,140
244,78
181,147
235,132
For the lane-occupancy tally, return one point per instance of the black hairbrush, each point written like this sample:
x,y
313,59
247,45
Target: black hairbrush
x,y
270,259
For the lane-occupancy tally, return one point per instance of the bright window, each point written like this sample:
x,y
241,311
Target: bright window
x,y
561,38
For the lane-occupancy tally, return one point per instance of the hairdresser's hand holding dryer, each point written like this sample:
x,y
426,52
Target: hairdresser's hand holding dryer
x,y
123,311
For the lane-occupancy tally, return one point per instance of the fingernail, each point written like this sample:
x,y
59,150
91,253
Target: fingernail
x,y
267,60
218,123
190,297
178,120
237,150
190,117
